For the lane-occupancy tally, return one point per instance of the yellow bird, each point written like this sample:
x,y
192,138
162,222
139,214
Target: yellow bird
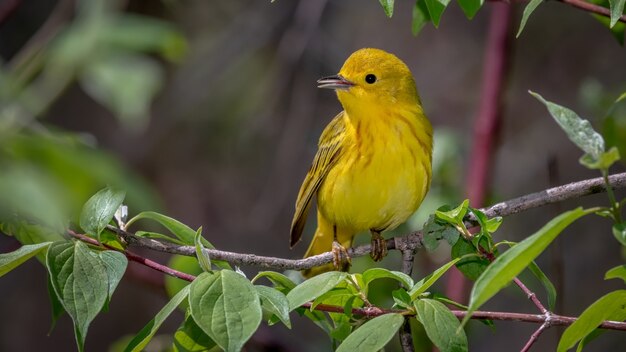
x,y
373,165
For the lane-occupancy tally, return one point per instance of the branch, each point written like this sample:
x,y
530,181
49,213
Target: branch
x,y
554,195
373,311
582,5
531,296
410,241
135,257
552,320
535,336
405,334
593,8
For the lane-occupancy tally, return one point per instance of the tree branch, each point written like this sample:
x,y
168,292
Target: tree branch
x,y
535,336
405,334
593,8
135,257
410,241
531,296
552,320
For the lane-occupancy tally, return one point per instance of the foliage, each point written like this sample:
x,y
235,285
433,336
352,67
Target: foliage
x,y
425,11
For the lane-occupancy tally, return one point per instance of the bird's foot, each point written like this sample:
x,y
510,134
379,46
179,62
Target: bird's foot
x,y
341,259
379,247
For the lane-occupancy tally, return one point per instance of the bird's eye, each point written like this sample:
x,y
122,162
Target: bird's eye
x,y
370,78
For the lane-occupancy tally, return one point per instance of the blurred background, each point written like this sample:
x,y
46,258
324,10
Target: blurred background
x,y
208,111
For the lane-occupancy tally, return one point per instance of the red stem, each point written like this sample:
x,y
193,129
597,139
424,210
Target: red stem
x,y
534,337
135,257
488,120
593,8
531,296
372,312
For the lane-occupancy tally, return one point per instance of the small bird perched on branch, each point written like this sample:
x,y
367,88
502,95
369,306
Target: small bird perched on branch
x,y
373,165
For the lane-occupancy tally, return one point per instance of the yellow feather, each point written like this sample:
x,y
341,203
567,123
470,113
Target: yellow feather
x,y
373,166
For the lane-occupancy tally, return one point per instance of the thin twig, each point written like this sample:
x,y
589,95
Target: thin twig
x,y
531,296
593,8
554,195
552,320
135,257
410,241
535,336
405,334
581,5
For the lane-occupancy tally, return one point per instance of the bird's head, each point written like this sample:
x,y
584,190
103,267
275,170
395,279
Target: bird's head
x,y
372,77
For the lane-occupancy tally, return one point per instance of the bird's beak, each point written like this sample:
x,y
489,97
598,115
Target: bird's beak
x,y
334,82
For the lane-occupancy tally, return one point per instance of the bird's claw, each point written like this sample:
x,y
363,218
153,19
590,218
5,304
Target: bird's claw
x,y
341,259
379,247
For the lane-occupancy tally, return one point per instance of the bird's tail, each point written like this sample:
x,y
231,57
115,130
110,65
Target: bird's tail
x,y
323,242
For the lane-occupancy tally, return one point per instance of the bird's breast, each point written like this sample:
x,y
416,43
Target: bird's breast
x,y
381,177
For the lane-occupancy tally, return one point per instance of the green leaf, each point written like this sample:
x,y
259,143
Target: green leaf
x,y
226,306
490,225
10,261
180,230
99,210
619,231
55,305
141,340
441,326
274,302
31,193
470,7
618,272
420,17
433,232
528,10
454,216
190,338
115,264
387,6
547,284
373,335
159,236
184,264
578,130
605,308
508,265
146,34
83,280
203,257
281,282
425,283
471,266
603,162
342,331
380,273
313,288
401,298
617,9
493,224
125,84
336,295
436,8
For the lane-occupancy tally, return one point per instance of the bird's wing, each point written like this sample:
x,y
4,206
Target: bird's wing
x,y
328,152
